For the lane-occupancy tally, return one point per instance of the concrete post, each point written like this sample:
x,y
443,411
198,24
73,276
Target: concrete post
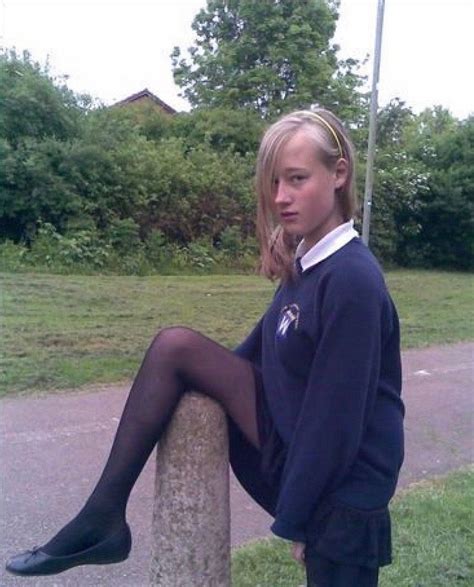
x,y
191,517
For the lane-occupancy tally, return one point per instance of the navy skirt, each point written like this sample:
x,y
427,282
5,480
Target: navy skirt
x,y
336,531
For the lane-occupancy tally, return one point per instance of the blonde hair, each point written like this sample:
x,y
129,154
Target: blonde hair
x,y
332,142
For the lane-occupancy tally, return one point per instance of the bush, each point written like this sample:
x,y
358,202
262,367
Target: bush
x,y
235,252
84,250
81,248
124,236
200,254
220,129
230,241
12,256
46,245
156,248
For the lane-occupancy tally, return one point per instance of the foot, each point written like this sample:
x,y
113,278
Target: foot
x,y
113,549
91,526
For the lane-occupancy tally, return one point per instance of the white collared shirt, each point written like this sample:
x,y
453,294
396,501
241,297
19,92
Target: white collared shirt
x,y
329,244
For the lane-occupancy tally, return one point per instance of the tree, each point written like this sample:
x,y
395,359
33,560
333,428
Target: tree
x,y
446,146
33,187
401,181
32,103
271,55
38,115
423,191
221,129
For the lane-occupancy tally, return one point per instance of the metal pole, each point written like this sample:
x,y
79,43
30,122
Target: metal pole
x,y
369,177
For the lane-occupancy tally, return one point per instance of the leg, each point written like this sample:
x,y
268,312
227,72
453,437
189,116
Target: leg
x,y
246,462
178,359
258,469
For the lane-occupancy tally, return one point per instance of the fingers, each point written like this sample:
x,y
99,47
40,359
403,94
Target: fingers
x,y
298,552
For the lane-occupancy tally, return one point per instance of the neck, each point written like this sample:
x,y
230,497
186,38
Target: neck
x,y
311,239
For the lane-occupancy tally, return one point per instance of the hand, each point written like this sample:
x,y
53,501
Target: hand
x,y
298,552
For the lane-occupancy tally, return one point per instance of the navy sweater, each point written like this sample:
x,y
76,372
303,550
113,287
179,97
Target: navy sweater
x,y
329,350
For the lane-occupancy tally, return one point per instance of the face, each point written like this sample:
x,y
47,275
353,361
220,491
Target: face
x,y
304,198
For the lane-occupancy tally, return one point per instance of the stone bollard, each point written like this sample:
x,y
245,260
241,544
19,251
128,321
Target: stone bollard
x,y
191,517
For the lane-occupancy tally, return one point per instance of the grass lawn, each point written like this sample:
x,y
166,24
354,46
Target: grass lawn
x,y
433,528
63,332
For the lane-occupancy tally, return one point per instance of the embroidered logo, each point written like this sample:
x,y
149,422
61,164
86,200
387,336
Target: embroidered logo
x,y
289,315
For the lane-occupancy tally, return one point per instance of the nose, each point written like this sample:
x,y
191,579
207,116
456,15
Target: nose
x,y
282,193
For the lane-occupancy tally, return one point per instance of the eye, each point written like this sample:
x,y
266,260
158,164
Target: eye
x,y
297,178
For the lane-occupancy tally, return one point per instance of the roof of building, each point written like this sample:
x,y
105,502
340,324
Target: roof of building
x,y
146,94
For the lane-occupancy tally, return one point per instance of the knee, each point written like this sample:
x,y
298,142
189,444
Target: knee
x,y
174,342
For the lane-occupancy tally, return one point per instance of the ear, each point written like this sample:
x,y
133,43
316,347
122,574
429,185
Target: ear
x,y
341,173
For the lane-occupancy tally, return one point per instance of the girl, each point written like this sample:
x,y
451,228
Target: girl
x,y
312,395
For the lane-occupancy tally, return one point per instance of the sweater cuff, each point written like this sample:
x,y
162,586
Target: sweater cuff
x,y
288,531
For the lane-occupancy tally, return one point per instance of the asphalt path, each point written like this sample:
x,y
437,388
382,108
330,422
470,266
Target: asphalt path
x,y
53,448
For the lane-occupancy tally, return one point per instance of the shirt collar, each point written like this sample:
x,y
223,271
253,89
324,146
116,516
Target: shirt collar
x,y
329,244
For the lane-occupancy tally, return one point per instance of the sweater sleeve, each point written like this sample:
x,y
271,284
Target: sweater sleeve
x,y
251,347
339,391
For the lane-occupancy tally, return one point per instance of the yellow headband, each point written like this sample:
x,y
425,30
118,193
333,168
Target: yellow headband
x,y
331,130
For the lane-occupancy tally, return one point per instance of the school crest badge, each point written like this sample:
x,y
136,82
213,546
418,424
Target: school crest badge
x,y
289,317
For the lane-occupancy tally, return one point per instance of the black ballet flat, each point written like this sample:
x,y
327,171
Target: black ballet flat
x,y
113,549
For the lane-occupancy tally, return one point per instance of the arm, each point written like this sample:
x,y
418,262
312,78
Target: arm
x,y
342,383
251,347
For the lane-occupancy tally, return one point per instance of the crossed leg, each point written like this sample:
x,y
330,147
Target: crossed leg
x,y
177,360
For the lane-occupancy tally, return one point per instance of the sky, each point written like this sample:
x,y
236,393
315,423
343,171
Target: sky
x,y
111,49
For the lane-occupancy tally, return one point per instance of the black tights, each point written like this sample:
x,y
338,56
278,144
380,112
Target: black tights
x,y
177,360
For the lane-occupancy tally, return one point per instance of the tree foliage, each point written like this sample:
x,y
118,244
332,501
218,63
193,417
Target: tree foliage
x,y
32,103
126,186
446,146
220,129
424,186
189,177
33,185
400,182
271,56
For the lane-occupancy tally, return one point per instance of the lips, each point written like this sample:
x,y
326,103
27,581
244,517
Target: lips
x,y
288,215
